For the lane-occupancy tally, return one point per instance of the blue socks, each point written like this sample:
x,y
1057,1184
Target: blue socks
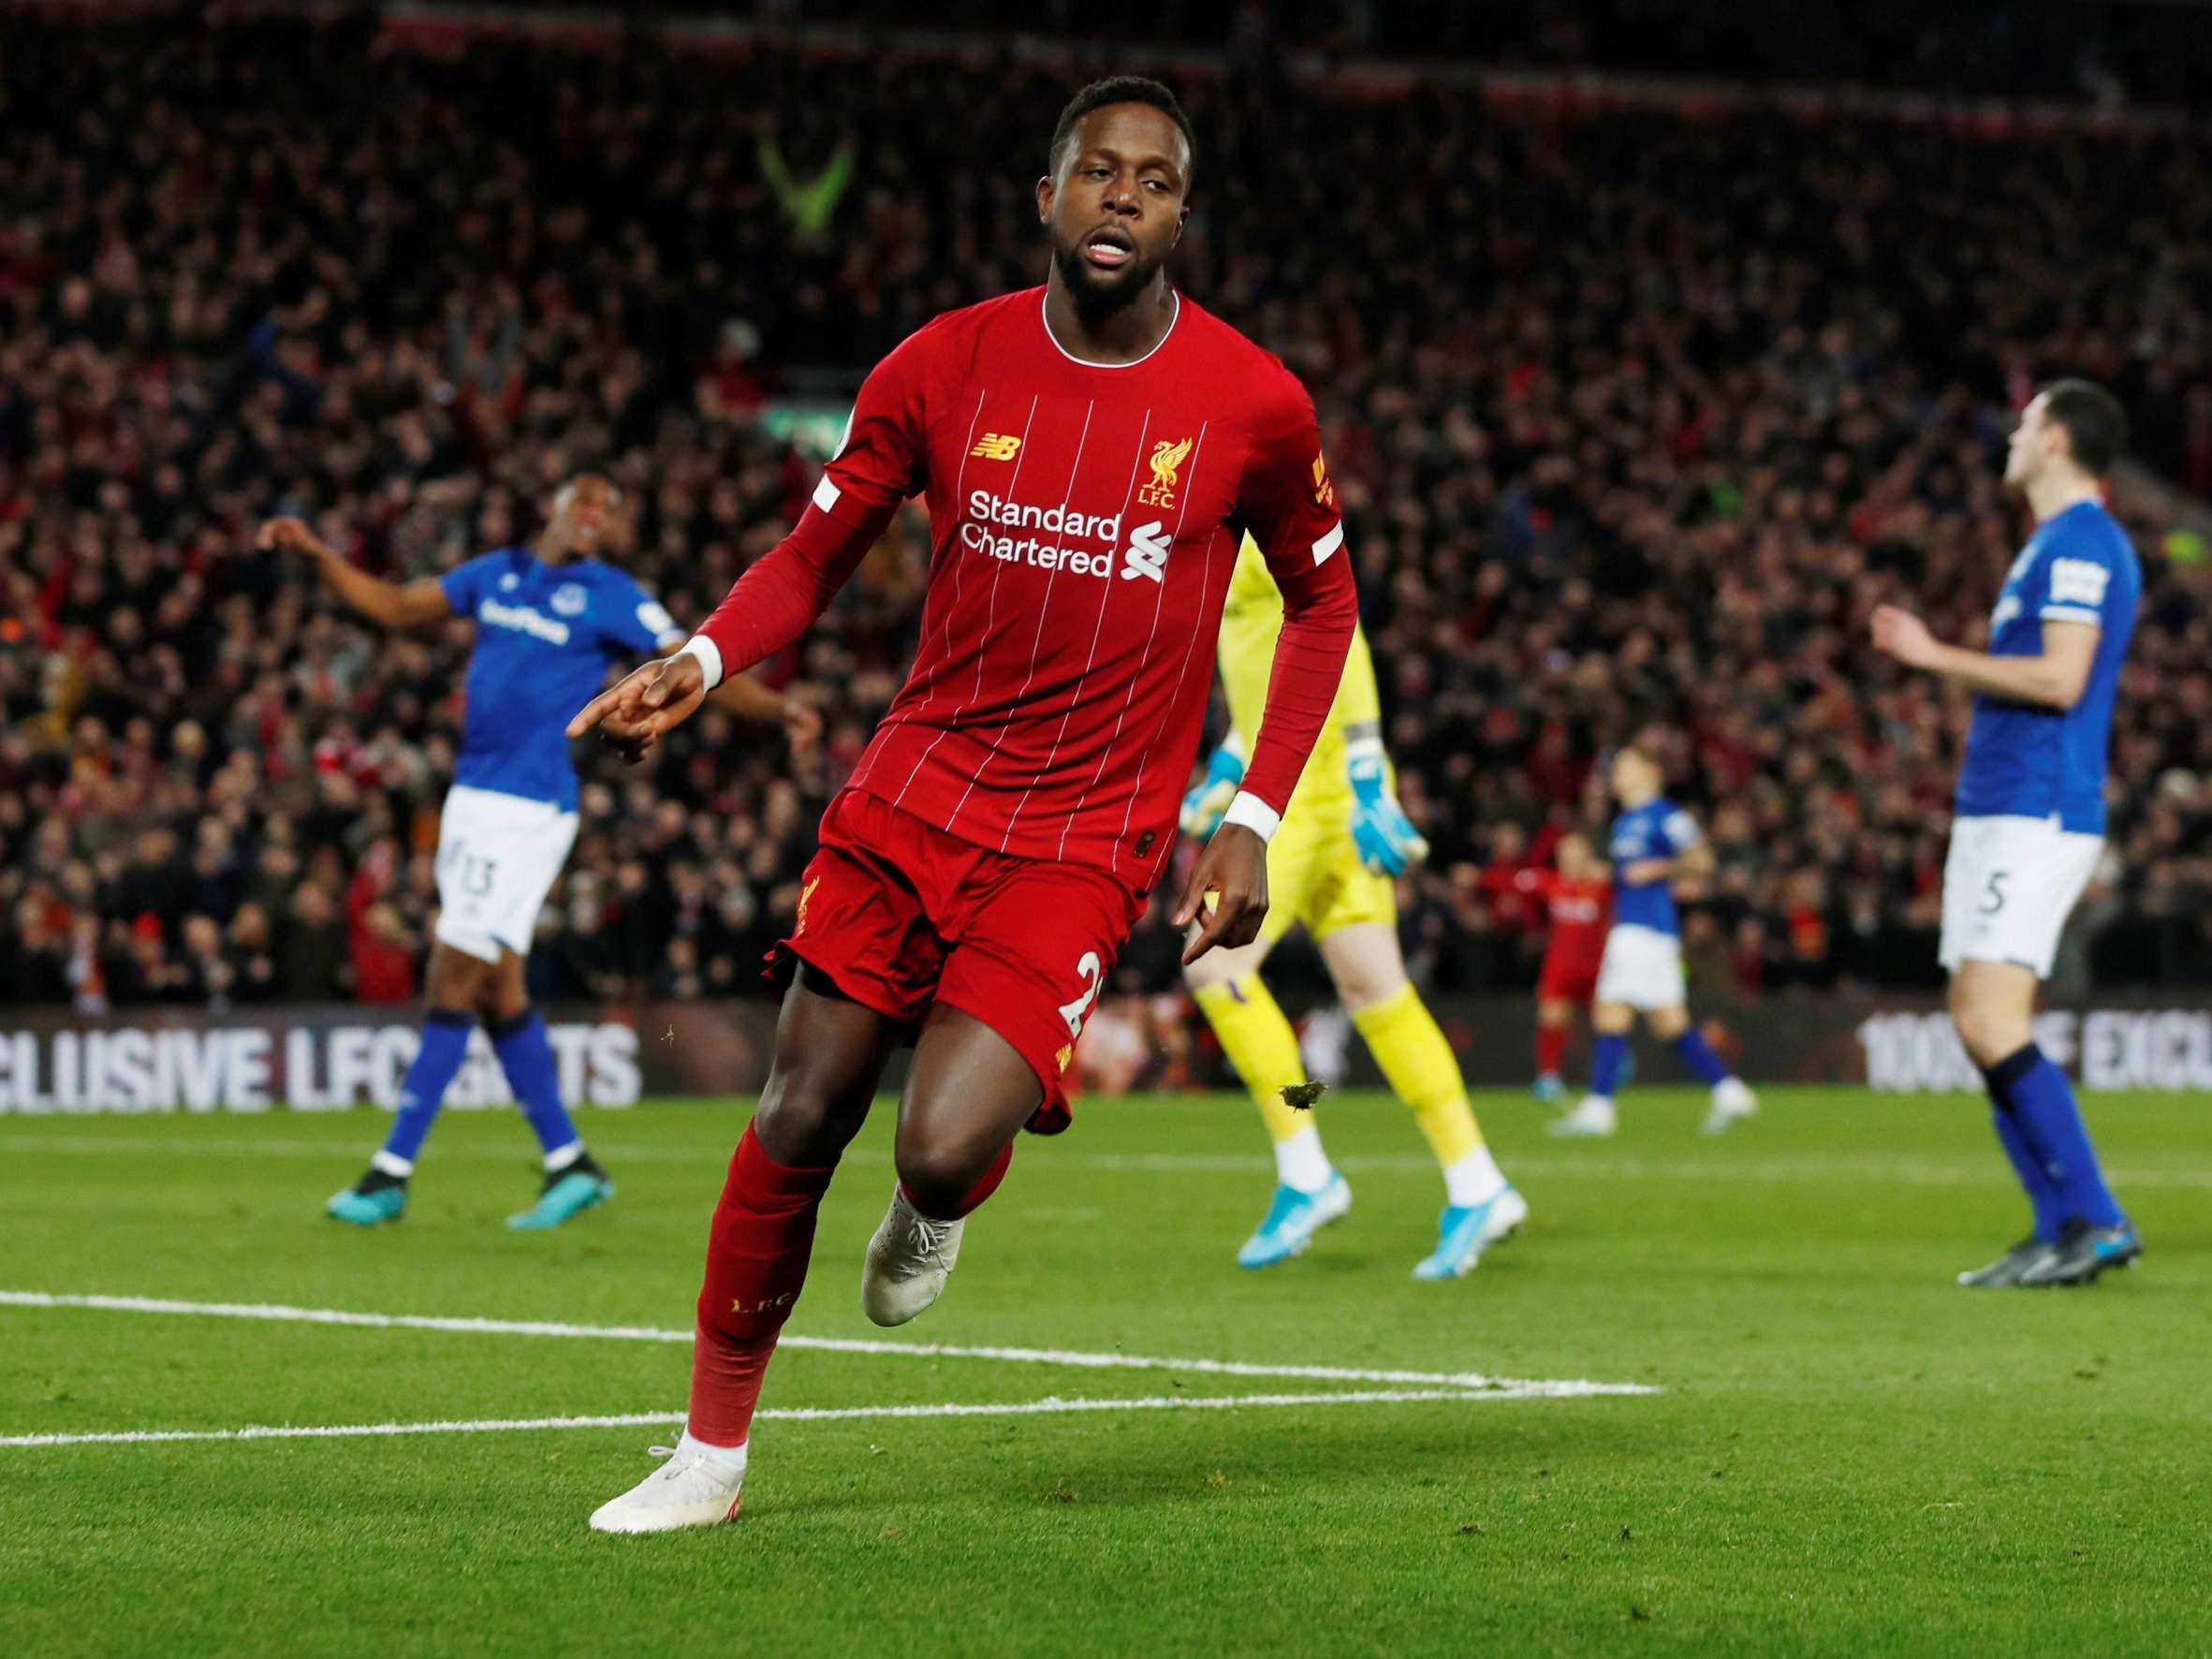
x,y
2035,1096
2042,1192
1608,1062
525,1054
1697,1054
1608,1057
527,1057
444,1041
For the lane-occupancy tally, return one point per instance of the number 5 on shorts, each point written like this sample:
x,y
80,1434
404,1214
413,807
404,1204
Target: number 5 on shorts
x,y
1993,895
1093,974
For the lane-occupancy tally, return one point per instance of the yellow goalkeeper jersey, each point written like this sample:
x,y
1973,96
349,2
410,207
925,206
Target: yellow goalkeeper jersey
x,y
1250,621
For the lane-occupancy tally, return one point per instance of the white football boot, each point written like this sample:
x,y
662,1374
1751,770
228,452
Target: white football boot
x,y
908,1261
1593,1119
697,1486
1733,1102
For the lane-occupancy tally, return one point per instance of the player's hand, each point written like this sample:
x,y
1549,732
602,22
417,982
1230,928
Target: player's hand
x,y
1644,872
1204,806
644,706
803,725
1233,869
288,535
1383,835
1903,636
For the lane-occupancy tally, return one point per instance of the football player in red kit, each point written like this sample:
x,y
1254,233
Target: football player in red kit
x,y
1577,894
1091,453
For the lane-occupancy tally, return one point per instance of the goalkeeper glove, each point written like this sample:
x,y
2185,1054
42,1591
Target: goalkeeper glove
x,y
1385,836
1204,805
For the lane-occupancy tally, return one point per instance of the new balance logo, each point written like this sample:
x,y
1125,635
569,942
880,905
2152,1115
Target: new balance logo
x,y
1147,553
996,446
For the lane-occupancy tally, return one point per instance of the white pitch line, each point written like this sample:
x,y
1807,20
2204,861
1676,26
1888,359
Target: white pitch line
x,y
1053,1405
1069,1358
1600,1164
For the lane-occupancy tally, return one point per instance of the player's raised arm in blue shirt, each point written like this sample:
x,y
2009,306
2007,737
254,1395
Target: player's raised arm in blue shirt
x,y
387,604
2062,621
2054,675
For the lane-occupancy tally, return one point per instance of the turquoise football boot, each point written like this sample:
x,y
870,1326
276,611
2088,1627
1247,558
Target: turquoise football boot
x,y
576,1189
1292,1220
1466,1230
378,1205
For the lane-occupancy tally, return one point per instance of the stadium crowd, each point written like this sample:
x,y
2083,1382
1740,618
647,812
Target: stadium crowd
x,y
1636,417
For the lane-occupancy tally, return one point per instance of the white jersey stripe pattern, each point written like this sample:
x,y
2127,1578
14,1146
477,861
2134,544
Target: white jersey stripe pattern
x,y
1106,597
1037,641
1159,602
944,640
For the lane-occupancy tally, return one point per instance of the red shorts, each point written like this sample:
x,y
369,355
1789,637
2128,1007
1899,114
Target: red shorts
x,y
1570,979
905,917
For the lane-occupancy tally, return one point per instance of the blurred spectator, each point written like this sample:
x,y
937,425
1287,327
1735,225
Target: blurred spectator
x,y
383,953
252,950
311,952
208,975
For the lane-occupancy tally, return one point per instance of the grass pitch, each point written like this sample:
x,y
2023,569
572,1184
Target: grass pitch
x,y
1843,1453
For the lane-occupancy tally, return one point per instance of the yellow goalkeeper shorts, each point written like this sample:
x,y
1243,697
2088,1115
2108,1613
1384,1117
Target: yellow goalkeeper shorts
x,y
1314,876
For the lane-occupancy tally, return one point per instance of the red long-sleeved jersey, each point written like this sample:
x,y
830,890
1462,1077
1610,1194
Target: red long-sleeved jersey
x,y
1084,519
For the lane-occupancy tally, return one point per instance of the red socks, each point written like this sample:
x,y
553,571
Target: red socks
x,y
756,1264
972,1199
1551,1048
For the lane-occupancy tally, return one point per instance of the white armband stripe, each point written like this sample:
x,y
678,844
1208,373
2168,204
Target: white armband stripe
x,y
1329,543
1254,815
709,656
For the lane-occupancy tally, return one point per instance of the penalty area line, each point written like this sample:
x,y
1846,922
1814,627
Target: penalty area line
x,y
1074,1359
1051,1406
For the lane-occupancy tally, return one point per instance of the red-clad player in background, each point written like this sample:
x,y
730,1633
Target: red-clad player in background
x,y
1091,452
1577,896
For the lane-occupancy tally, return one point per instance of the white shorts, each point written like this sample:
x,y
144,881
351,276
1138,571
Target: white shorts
x,y
498,856
1643,969
2009,884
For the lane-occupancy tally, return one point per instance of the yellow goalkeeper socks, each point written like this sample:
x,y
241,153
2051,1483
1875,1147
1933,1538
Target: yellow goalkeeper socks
x,y
1262,1046
1418,1062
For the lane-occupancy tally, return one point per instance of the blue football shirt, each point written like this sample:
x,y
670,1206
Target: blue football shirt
x,y
545,635
2026,760
1656,830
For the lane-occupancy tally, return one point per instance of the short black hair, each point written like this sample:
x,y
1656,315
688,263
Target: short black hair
x,y
1117,89
2096,425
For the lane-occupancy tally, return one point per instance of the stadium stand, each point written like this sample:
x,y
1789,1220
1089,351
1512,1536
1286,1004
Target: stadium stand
x,y
1640,413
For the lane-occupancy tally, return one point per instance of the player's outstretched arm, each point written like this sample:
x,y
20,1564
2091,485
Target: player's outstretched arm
x,y
1233,869
1286,502
389,605
2056,679
645,705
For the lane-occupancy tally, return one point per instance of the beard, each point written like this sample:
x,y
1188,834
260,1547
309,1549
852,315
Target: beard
x,y
1098,294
